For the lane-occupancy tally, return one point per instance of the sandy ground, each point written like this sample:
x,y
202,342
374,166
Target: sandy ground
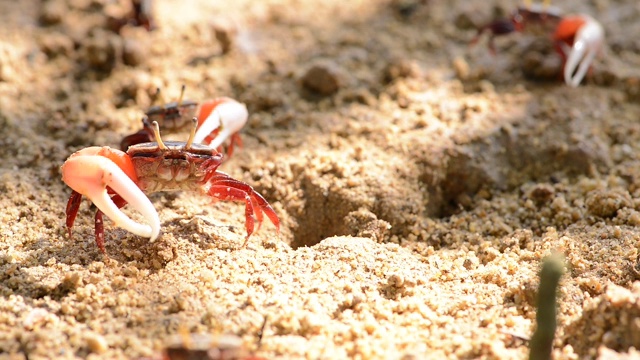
x,y
419,182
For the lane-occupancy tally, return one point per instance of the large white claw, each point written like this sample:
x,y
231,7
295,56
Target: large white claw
x,y
588,41
90,175
229,115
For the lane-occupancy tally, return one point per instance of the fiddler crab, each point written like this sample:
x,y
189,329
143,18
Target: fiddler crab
x,y
577,38
185,345
218,120
112,178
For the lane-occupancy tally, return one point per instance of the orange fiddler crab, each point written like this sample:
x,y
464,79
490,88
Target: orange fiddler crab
x,y
577,38
218,120
112,178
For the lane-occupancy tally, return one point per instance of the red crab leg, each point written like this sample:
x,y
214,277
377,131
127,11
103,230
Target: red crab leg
x,y
221,178
223,192
226,182
235,139
210,138
73,205
142,136
99,228
224,187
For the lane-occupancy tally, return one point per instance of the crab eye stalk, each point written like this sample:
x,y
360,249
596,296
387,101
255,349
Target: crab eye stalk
x,y
192,134
156,133
181,95
158,96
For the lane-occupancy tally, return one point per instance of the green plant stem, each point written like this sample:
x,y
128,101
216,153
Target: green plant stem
x,y
541,342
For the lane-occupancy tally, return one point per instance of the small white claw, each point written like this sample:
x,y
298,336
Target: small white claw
x,y
229,115
588,42
90,175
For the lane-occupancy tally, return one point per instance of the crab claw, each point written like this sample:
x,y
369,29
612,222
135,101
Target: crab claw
x,y
580,38
96,170
224,115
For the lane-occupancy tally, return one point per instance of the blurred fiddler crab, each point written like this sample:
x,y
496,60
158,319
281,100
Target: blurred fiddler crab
x,y
218,120
577,38
112,178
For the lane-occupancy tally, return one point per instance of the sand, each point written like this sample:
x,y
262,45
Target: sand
x,y
419,182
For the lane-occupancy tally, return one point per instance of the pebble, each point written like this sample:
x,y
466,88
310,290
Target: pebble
x,y
461,68
606,203
100,51
133,52
55,44
225,35
401,68
323,79
51,12
96,343
542,193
